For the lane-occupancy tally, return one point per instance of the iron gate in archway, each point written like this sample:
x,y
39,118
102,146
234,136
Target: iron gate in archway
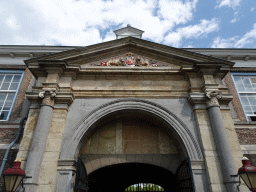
x,y
184,177
146,187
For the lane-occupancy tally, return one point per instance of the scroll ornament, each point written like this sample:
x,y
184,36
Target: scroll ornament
x,y
213,97
47,96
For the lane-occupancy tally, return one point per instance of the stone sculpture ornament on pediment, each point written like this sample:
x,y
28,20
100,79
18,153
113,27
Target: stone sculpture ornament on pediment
x,y
129,60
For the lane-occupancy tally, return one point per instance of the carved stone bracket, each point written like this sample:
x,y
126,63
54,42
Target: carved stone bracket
x,y
48,97
213,97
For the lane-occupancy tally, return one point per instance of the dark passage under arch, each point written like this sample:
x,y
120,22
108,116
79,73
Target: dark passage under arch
x,y
116,178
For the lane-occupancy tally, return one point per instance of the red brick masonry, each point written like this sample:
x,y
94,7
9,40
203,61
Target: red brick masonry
x,y
246,136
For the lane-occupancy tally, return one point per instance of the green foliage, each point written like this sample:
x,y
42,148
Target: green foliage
x,y
144,187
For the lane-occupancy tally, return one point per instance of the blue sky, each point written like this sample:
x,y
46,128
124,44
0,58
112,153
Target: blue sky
x,y
177,23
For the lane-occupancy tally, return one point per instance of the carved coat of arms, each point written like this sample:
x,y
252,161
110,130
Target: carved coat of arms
x,y
129,59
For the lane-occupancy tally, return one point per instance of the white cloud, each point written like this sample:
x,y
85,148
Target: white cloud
x,y
11,22
252,9
236,42
83,22
235,19
229,3
193,31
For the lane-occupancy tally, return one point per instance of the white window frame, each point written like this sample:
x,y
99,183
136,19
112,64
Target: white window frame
x,y
5,72
241,93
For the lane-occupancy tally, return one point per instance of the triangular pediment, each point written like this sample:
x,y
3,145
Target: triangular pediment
x,y
116,52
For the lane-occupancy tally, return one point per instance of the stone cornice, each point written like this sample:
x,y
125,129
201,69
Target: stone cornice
x,y
200,99
60,97
226,53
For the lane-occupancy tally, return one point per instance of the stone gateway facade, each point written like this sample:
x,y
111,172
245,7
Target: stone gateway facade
x,y
130,111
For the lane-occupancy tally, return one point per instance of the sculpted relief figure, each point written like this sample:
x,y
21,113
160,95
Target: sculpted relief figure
x,y
142,62
129,60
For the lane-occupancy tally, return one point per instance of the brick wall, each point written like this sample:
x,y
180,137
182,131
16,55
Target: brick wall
x,y
7,135
246,136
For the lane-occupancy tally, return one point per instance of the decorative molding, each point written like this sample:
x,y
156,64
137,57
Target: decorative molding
x,y
47,96
200,100
59,98
47,93
213,97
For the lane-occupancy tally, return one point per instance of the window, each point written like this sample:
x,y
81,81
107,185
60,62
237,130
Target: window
x,y
246,88
9,86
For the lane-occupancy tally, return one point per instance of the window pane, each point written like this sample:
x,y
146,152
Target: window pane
x,y
1,78
3,115
254,110
8,78
7,106
5,86
14,86
16,78
244,100
10,97
246,81
252,100
238,80
240,87
254,87
248,110
1,105
2,97
248,87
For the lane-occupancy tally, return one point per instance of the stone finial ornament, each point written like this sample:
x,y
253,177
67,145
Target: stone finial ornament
x,y
47,96
213,97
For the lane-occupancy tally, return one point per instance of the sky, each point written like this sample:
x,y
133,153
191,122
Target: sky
x,y
176,23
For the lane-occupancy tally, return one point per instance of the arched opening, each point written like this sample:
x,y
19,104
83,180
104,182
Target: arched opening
x,y
107,153
118,178
132,147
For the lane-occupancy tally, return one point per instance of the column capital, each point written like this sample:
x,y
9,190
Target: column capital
x,y
48,97
212,98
